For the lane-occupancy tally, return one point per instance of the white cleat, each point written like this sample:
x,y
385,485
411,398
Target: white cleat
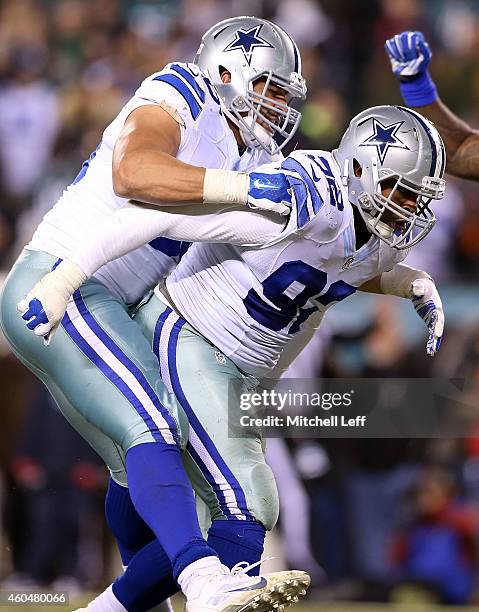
x,y
235,591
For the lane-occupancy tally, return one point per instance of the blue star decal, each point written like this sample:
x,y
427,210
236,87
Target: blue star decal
x,y
384,138
247,41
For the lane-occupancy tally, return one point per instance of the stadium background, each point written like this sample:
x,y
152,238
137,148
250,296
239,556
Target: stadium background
x,y
66,67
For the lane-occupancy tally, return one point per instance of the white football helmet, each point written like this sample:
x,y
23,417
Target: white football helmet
x,y
397,146
250,48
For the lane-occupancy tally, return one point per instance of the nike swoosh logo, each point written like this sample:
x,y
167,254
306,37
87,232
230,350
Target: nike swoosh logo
x,y
259,585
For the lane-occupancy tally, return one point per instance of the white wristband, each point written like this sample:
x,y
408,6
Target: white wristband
x,y
400,279
67,277
225,186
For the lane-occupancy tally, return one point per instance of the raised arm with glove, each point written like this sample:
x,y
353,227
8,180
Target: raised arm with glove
x,y
410,56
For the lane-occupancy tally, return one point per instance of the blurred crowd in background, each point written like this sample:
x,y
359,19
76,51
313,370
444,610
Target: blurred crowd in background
x,y
384,519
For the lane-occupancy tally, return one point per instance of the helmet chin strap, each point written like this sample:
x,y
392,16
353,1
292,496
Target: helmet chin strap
x,y
256,135
382,228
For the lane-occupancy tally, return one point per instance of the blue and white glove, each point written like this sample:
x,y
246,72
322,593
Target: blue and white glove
x,y
267,190
417,286
270,191
427,302
410,55
45,304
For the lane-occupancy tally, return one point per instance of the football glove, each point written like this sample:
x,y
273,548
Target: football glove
x,y
410,55
428,305
45,304
260,190
270,191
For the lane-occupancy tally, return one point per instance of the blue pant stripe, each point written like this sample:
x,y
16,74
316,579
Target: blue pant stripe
x,y
156,337
206,473
200,431
112,375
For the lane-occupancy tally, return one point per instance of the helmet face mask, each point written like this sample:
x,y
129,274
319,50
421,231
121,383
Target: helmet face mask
x,y
400,227
403,159
250,50
267,122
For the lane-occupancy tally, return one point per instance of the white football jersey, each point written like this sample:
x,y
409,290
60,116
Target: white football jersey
x,y
259,306
206,140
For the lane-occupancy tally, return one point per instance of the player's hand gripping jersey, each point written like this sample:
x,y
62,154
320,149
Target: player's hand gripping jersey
x,y
206,140
253,302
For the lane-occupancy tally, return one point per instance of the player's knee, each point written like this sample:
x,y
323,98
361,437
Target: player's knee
x,y
141,434
118,475
138,432
264,505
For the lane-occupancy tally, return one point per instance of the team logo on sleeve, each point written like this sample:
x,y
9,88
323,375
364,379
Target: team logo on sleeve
x,y
247,41
384,138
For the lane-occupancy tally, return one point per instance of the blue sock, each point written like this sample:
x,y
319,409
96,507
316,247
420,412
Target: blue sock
x,y
236,541
147,581
163,497
130,530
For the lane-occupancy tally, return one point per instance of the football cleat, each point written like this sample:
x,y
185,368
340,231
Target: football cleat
x,y
235,591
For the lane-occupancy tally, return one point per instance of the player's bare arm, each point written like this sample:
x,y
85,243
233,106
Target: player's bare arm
x,y
461,141
371,286
417,286
144,165
145,169
133,226
410,56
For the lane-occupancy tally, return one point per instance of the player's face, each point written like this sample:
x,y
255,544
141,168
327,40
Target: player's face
x,y
403,198
273,92
276,94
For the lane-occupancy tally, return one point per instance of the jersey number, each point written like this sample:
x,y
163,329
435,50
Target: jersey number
x,y
286,292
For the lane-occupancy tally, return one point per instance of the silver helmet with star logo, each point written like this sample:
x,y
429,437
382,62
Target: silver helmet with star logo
x,y
387,156
254,50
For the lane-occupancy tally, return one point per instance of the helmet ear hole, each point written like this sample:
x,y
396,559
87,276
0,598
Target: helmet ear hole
x,y
357,168
225,74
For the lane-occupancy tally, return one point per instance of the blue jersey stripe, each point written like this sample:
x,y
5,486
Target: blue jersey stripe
x,y
182,89
368,250
302,212
172,248
85,166
191,80
316,200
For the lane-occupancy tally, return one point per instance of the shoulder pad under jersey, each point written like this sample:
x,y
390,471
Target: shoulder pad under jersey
x,y
183,87
321,199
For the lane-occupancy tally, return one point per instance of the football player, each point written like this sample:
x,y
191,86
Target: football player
x,y
410,56
175,142
233,313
